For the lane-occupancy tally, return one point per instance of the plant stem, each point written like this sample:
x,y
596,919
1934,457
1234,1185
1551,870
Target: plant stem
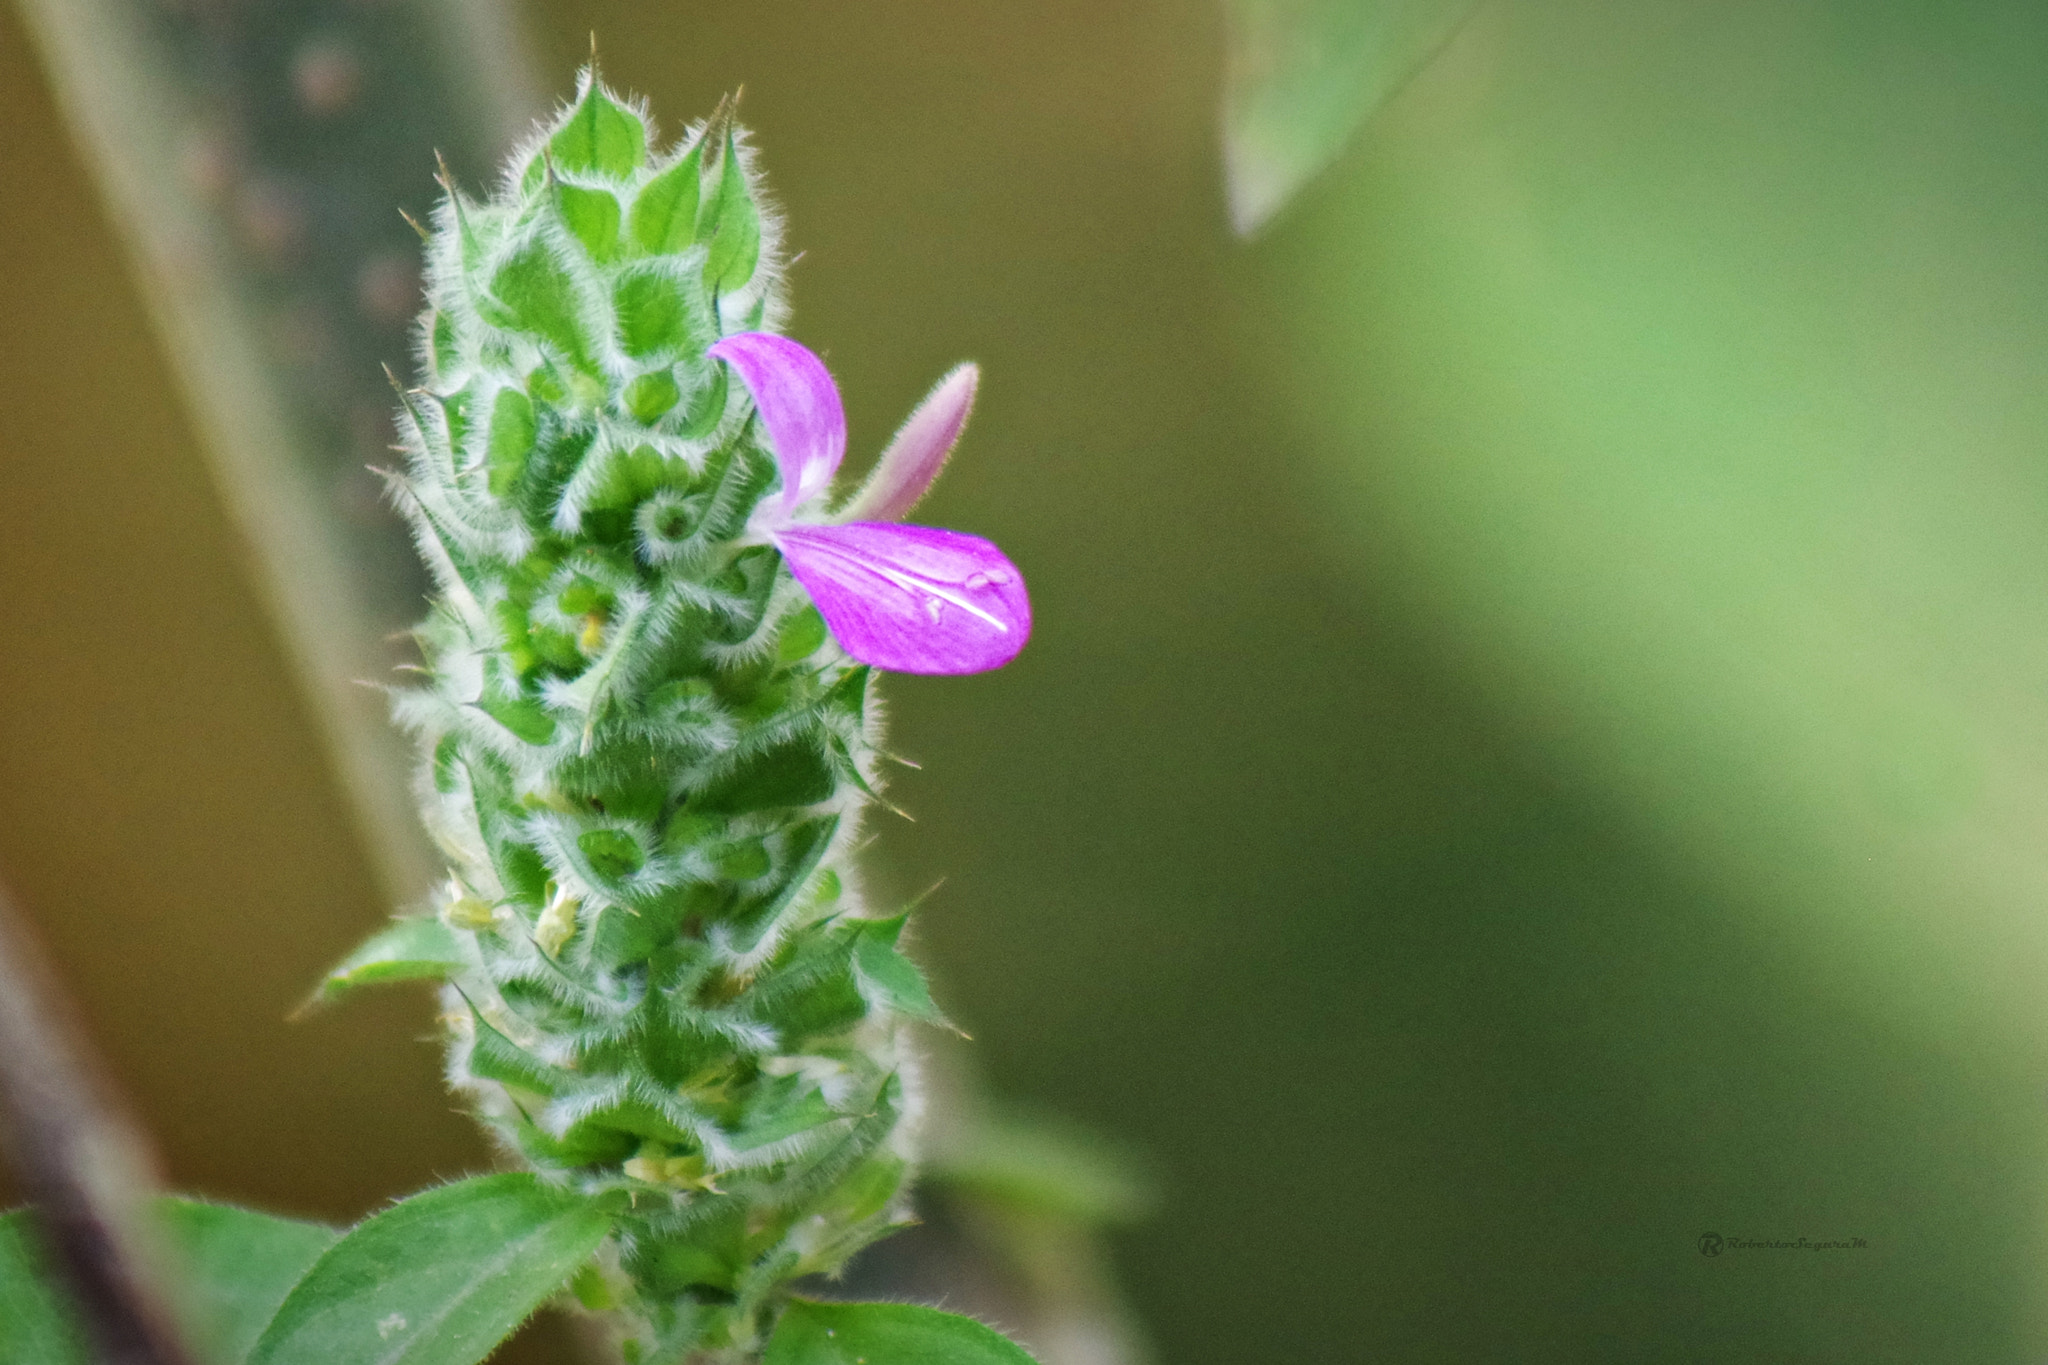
x,y
252,159
86,1169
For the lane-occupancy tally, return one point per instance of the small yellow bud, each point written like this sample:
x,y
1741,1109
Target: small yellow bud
x,y
585,390
592,638
557,924
467,912
684,1172
687,1173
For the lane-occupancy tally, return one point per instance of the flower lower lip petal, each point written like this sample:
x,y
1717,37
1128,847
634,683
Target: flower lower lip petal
x,y
912,599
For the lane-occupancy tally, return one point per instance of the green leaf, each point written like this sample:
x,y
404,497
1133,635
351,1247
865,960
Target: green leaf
x,y
592,1290
523,716
36,1327
850,694
792,773
414,949
804,849
652,395
1042,1165
627,477
806,1111
455,410
888,978
733,226
654,318
624,935
583,1145
593,215
535,295
511,440
613,853
1303,75
447,354
744,861
590,692
801,636
240,1265
707,406
440,1279
600,138
865,1193
813,1333
664,217
495,1057
473,245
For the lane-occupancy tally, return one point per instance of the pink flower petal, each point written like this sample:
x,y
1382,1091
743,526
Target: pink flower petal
x,y
912,599
918,453
798,403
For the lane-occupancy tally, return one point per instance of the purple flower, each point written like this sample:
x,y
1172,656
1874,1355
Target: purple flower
x,y
911,599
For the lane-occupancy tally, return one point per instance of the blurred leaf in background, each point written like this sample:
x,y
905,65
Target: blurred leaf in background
x,y
1303,75
1682,369
1691,380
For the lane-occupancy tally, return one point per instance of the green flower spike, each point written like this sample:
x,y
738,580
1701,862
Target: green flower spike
x,y
647,757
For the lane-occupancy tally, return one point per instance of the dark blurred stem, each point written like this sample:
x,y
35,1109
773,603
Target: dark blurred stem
x,y
253,157
85,1168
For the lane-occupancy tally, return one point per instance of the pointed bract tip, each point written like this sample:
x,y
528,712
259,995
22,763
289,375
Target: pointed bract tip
x,y
906,470
718,127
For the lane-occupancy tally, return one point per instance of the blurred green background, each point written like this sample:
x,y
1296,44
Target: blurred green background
x,y
1536,745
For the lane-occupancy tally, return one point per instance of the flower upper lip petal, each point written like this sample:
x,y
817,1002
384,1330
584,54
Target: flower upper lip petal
x,y
798,403
914,458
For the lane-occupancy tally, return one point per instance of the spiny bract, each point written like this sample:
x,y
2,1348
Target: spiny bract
x,y
647,757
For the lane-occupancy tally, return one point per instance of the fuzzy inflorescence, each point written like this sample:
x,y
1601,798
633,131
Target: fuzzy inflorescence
x,y
647,756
